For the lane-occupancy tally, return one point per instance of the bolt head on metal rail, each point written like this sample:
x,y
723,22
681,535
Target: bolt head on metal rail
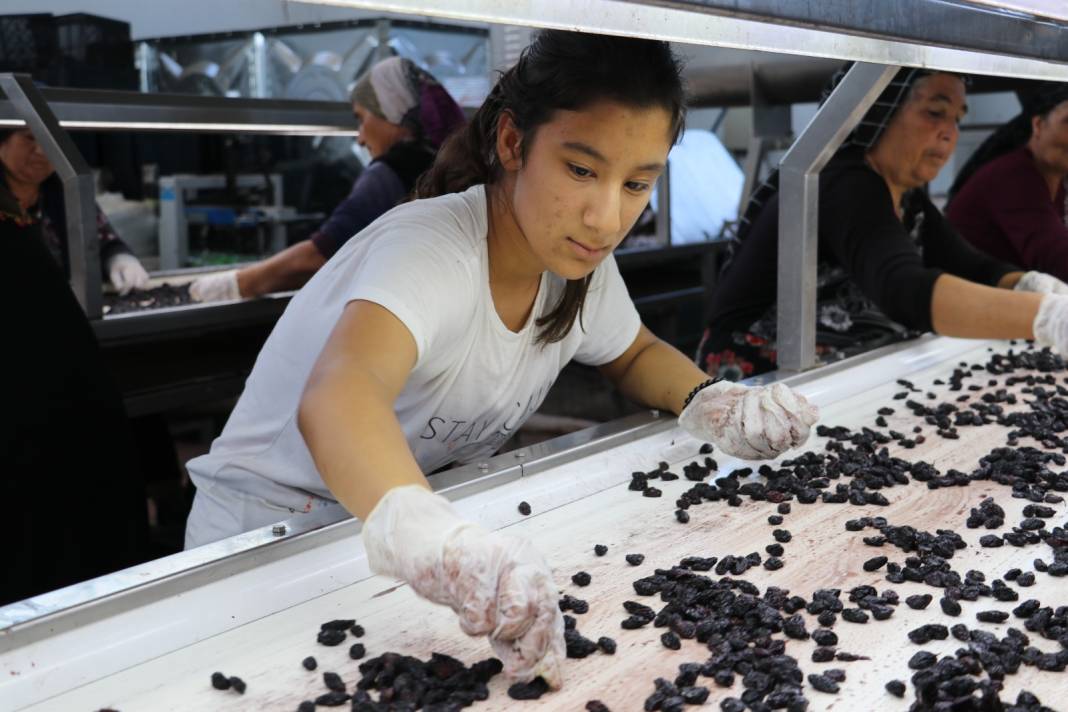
x,y
483,467
278,529
520,454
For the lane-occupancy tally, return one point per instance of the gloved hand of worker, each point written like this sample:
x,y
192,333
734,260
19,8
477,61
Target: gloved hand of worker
x,y
1042,283
1051,323
498,585
752,423
126,272
218,287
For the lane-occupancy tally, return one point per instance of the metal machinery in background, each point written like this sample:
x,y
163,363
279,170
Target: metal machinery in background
x,y
67,642
316,62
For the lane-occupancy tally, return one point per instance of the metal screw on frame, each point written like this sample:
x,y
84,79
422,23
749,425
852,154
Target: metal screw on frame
x,y
278,529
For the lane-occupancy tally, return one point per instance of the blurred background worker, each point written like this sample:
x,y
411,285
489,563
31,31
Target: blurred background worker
x,y
404,114
68,470
32,194
1009,199
890,265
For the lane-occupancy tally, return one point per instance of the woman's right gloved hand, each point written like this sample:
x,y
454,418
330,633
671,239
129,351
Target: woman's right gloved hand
x,y
1051,323
1040,282
218,287
499,586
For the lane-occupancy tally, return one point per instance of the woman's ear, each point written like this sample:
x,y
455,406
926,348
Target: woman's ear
x,y
509,142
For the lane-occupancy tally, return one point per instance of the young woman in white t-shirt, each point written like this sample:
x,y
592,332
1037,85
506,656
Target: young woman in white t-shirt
x,y
434,335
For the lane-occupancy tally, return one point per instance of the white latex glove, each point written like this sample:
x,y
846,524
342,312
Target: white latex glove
x,y
752,423
218,287
1042,283
498,585
1051,323
126,273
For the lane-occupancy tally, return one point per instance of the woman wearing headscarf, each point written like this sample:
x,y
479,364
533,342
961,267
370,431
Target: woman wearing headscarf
x,y
31,195
1009,199
404,114
889,263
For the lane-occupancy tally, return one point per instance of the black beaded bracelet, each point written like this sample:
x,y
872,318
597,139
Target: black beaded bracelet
x,y
700,387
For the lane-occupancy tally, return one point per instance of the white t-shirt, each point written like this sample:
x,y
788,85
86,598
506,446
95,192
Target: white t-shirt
x,y
474,381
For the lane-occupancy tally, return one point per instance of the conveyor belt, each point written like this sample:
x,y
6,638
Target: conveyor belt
x,y
256,614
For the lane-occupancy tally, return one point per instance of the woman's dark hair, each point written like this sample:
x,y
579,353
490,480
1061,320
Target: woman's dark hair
x,y
558,71
1036,99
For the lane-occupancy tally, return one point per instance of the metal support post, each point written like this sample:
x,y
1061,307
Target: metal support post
x,y
799,203
663,207
83,246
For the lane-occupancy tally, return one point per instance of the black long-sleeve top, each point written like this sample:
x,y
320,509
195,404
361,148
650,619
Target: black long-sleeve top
x,y
894,263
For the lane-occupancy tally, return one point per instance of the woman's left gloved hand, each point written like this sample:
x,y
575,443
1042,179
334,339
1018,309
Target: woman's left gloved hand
x,y
1042,283
751,423
126,272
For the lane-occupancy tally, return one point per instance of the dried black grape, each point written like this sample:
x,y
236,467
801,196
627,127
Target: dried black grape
x,y
306,706
635,559
927,633
823,654
597,706
836,674
524,508
919,601
220,681
341,624
949,606
827,618
670,640
781,535
581,579
783,508
1026,579
333,682
578,646
332,699
992,616
600,549
309,663
607,645
775,519
875,563
849,657
528,690
357,631
854,615
922,660
694,694
774,549
651,492
705,449
896,688
357,651
823,683
822,636
331,637
682,516
773,563
237,685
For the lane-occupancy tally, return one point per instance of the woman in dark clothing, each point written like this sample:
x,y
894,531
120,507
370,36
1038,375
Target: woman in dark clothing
x,y
66,457
889,263
404,115
32,194
1009,199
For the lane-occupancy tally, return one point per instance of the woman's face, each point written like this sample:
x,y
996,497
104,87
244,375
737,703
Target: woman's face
x,y
1049,138
923,133
584,180
23,159
376,134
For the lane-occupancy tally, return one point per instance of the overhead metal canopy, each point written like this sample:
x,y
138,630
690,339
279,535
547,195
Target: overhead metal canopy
x,y
945,34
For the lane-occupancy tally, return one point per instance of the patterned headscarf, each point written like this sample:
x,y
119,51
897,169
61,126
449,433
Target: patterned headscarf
x,y
400,92
865,135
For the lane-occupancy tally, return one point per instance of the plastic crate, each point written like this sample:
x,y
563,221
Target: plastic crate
x,y
27,42
93,39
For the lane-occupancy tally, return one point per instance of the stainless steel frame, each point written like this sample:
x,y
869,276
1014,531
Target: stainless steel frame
x,y
98,110
799,208
83,247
